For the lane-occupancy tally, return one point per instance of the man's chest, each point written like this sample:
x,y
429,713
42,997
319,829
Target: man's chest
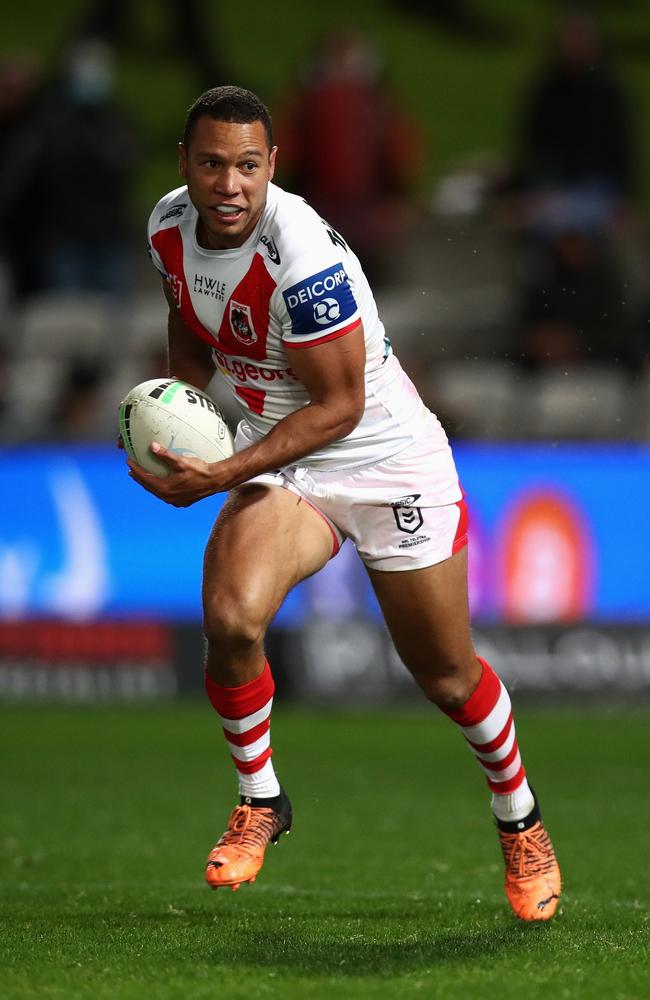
x,y
225,301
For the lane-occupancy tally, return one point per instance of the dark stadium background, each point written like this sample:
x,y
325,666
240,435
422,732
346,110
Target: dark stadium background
x,y
554,457
100,641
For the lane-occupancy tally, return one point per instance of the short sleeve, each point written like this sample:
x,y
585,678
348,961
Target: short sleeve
x,y
155,257
319,307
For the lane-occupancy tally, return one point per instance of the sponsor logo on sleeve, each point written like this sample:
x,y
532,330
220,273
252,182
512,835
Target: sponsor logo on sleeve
x,y
241,322
320,301
172,213
327,311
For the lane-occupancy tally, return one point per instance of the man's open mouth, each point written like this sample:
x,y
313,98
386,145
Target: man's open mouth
x,y
228,211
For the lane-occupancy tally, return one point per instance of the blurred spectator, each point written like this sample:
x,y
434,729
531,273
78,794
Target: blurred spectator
x,y
71,159
458,17
19,81
575,132
572,301
76,414
89,155
574,178
185,35
4,386
349,147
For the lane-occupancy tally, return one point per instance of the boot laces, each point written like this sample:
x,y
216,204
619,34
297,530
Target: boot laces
x,y
237,824
527,854
248,826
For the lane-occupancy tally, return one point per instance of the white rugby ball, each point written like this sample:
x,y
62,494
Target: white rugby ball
x,y
178,416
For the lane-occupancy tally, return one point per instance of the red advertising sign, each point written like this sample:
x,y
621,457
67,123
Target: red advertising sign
x,y
547,562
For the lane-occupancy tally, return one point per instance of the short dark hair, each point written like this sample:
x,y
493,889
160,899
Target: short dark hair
x,y
229,104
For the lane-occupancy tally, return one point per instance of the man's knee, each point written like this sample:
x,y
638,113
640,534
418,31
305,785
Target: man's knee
x,y
233,623
448,682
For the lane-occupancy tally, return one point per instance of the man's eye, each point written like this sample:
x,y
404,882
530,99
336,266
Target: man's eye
x,y
250,165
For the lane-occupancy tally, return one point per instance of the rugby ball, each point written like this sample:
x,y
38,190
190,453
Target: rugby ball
x,y
178,416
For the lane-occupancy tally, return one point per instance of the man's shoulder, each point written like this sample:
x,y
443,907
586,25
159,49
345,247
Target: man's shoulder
x,y
292,229
290,213
170,209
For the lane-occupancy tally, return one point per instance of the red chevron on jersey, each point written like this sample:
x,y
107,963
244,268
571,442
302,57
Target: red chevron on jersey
x,y
254,398
169,244
245,324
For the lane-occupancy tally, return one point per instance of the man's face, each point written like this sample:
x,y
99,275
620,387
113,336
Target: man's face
x,y
227,167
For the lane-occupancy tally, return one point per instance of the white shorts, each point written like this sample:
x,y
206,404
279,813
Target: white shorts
x,y
406,512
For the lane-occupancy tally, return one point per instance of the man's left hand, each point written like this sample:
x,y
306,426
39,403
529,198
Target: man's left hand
x,y
189,479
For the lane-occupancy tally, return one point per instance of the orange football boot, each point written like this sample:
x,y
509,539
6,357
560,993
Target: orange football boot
x,y
533,880
238,855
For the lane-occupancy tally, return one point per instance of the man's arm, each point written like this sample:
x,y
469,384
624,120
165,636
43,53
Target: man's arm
x,y
189,357
333,374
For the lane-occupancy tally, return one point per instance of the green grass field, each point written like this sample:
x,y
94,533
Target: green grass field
x,y
389,885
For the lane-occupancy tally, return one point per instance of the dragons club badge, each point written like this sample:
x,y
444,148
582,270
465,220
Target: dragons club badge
x,y
241,323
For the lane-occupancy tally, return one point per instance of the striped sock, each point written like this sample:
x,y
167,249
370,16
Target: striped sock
x,y
245,714
487,725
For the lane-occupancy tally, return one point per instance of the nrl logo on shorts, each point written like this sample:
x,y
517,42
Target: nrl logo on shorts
x,y
241,323
408,519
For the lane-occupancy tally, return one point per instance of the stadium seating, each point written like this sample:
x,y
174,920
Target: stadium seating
x,y
586,402
75,325
453,349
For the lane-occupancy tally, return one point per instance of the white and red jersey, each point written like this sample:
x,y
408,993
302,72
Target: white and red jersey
x,y
293,284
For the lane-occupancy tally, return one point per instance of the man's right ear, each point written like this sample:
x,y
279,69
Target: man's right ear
x,y
182,159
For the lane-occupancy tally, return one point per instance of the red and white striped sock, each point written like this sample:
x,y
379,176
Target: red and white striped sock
x,y
487,725
245,714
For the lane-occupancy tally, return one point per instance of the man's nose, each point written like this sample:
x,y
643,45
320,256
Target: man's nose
x,y
228,181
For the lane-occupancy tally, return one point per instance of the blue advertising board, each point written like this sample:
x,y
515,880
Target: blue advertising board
x,y
557,533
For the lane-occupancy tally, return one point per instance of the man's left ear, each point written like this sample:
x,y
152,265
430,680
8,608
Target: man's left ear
x,y
272,156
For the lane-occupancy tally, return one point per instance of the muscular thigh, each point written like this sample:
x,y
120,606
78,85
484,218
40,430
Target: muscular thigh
x,y
265,540
427,614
